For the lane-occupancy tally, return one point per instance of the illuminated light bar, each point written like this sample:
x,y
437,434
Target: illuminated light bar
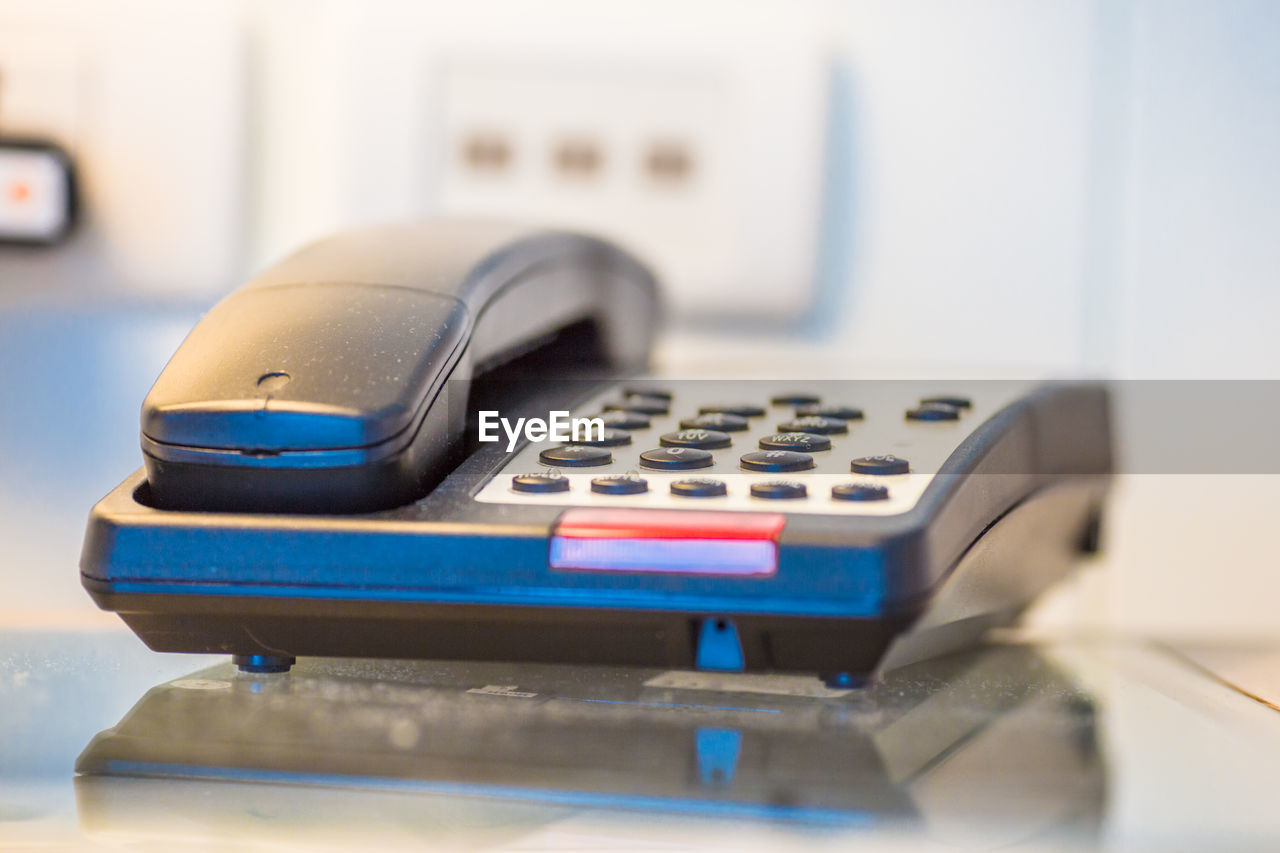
x,y
726,544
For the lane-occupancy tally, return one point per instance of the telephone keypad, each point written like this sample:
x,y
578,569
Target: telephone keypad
x,y
857,456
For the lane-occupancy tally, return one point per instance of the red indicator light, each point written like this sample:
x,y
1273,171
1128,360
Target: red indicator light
x,y
667,541
669,524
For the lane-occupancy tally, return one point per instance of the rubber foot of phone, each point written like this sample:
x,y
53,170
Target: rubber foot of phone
x,y
264,663
844,680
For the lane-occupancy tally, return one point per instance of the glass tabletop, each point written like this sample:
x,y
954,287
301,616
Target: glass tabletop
x,y
1046,745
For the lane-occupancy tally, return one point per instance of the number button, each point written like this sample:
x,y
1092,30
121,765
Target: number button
x,y
802,441
641,405
699,487
948,400
815,424
676,458
881,466
624,420
776,461
718,421
843,413
575,456
540,483
779,490
742,410
859,492
933,412
702,439
619,485
610,438
796,399
646,391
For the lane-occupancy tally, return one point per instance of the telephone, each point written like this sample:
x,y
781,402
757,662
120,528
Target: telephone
x,y
315,482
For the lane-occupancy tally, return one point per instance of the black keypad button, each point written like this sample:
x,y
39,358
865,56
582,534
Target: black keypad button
x,y
805,442
742,410
620,485
676,458
779,490
947,400
703,439
776,461
643,405
699,487
933,412
815,424
881,466
795,399
540,483
843,413
716,420
575,456
610,438
624,420
859,492
646,391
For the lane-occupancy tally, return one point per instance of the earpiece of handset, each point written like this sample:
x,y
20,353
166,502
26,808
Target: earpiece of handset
x,y
323,385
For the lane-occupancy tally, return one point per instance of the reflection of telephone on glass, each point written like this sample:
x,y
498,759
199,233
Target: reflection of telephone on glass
x,y
997,740
314,483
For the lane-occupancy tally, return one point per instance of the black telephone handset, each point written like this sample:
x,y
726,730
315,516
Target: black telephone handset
x,y
325,383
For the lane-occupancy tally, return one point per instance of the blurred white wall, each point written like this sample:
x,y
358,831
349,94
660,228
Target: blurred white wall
x,y
1071,184
1089,185
972,128
1199,242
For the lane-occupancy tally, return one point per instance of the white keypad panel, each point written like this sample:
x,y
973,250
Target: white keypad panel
x,y
883,430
